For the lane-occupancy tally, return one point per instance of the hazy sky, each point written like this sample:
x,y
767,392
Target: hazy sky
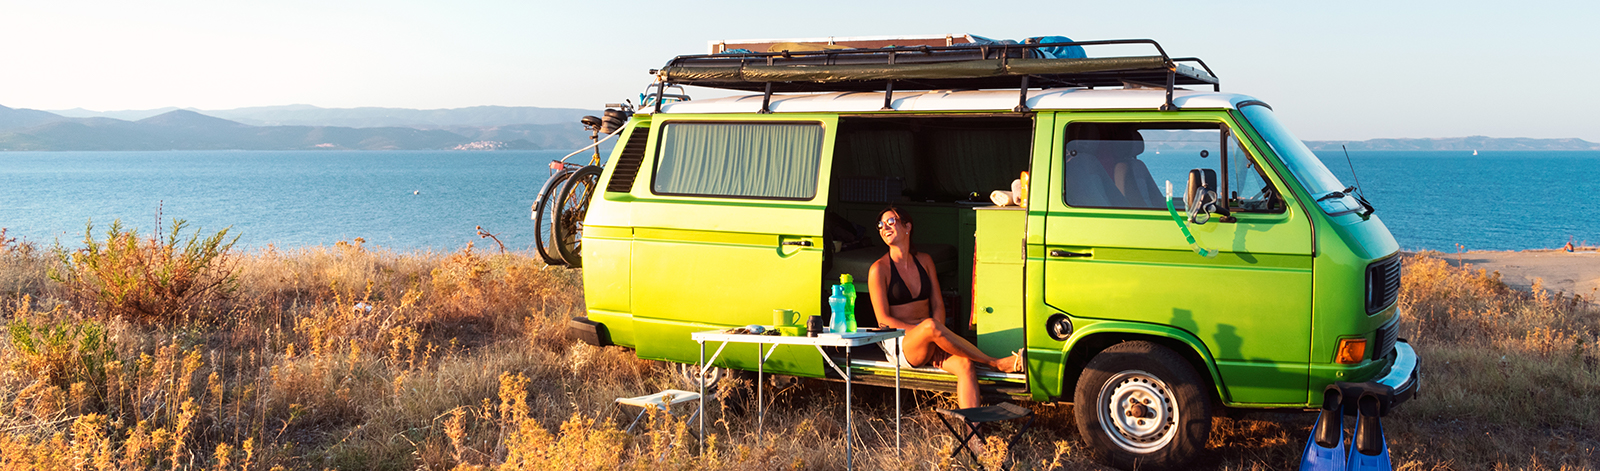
x,y
1333,70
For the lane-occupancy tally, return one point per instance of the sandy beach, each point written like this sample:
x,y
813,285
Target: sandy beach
x,y
1575,272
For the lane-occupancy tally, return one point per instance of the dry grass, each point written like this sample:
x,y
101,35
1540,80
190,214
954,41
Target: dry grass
x,y
349,357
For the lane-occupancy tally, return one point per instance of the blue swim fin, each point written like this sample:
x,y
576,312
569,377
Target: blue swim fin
x,y
1325,449
1369,450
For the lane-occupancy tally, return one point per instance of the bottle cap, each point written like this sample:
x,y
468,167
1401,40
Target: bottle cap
x,y
846,278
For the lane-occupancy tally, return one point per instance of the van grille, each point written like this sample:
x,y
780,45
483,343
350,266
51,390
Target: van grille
x,y
1383,284
1386,337
628,163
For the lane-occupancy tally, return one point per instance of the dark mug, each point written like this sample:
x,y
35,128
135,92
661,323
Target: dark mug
x,y
815,325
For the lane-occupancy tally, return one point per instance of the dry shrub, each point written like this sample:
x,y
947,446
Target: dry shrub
x,y
154,280
22,271
498,293
1510,377
58,353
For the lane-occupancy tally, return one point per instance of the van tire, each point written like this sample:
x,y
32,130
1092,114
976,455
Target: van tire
x,y
1173,420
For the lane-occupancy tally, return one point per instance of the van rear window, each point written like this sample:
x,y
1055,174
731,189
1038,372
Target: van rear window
x,y
742,160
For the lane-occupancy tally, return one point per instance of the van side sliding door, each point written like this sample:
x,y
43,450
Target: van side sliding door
x,y
728,228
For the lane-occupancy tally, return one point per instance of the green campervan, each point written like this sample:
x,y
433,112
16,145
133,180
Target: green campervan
x,y
712,213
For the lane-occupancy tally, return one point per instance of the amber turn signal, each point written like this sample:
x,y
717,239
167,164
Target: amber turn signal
x,y
1351,351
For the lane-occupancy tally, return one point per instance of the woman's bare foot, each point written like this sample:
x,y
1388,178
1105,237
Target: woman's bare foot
x,y
1011,364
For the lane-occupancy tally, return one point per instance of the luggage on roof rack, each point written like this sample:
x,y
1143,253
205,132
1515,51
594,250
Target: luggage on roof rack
x,y
979,65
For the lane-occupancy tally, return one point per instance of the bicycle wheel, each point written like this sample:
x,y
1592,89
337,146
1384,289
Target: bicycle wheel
x,y
574,206
544,218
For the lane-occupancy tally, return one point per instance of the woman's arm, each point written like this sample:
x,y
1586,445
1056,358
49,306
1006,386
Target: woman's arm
x,y
935,297
878,286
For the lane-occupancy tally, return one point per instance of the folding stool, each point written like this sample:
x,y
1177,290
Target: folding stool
x,y
660,401
977,417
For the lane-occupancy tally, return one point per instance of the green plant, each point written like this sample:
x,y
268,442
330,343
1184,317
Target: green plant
x,y
60,353
149,280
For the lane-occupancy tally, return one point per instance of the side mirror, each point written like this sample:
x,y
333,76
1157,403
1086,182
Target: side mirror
x,y
1200,198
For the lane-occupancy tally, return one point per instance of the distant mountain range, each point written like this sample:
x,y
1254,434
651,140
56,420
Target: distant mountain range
x,y
475,128
1459,143
295,127
307,115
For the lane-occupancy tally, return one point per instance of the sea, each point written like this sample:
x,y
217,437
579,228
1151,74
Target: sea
x,y
436,200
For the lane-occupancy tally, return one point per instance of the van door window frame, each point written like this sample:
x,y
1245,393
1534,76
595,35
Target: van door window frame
x,y
1225,130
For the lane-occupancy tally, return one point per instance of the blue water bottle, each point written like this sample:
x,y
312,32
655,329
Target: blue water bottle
x,y
839,304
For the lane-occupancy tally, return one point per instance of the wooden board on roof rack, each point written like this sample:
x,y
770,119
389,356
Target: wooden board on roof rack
x,y
851,42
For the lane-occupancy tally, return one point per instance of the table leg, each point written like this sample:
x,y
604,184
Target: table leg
x,y
849,418
701,380
844,373
898,359
761,413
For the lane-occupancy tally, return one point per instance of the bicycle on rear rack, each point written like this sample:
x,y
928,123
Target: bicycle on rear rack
x,y
563,201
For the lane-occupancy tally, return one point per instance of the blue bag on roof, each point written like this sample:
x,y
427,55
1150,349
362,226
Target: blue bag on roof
x,y
1057,52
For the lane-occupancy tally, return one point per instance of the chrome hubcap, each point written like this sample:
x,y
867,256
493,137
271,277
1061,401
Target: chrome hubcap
x,y
689,372
1138,411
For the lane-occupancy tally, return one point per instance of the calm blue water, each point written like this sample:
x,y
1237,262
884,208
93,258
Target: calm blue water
x,y
1497,200
288,198
1430,200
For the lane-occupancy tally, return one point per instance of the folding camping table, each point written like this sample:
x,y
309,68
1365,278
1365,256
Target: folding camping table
x,y
848,341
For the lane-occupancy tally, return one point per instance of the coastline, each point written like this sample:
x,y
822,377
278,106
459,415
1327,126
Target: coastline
x,y
1576,272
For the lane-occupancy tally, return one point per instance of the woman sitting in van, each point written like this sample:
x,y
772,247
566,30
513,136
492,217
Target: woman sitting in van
x,y
904,296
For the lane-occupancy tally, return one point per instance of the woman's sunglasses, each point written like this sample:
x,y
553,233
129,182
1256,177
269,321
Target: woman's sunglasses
x,y
886,222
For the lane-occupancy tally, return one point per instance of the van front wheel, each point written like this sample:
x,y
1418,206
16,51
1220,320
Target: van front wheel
x,y
1141,405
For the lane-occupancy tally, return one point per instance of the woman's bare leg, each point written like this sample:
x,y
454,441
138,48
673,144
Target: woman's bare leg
x,y
966,380
947,340
918,345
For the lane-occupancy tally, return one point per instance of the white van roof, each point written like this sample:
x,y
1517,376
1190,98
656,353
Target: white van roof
x,y
965,100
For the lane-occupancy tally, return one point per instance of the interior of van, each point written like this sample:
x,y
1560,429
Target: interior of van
x,y
935,169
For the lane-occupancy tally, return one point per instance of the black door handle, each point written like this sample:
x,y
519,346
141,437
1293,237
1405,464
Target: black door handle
x,y
801,243
1064,253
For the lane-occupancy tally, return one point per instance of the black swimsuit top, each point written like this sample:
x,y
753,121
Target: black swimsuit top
x,y
898,293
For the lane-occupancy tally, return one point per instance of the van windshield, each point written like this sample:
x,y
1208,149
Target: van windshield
x,y
1311,173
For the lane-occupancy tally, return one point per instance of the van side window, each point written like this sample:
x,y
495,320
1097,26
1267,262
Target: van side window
x,y
746,160
1127,165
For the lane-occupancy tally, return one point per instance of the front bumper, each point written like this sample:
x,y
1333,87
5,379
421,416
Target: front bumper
x,y
1397,386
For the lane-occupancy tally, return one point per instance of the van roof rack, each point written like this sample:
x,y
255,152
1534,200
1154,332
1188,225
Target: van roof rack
x,y
970,65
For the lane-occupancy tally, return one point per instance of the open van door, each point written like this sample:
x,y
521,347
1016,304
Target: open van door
x,y
728,228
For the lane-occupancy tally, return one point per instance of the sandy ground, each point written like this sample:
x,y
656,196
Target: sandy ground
x,y
1574,273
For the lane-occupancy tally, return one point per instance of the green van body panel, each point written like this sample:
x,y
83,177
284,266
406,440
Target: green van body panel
x,y
1262,319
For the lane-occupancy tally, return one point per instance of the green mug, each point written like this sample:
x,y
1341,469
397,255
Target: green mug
x,y
785,317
